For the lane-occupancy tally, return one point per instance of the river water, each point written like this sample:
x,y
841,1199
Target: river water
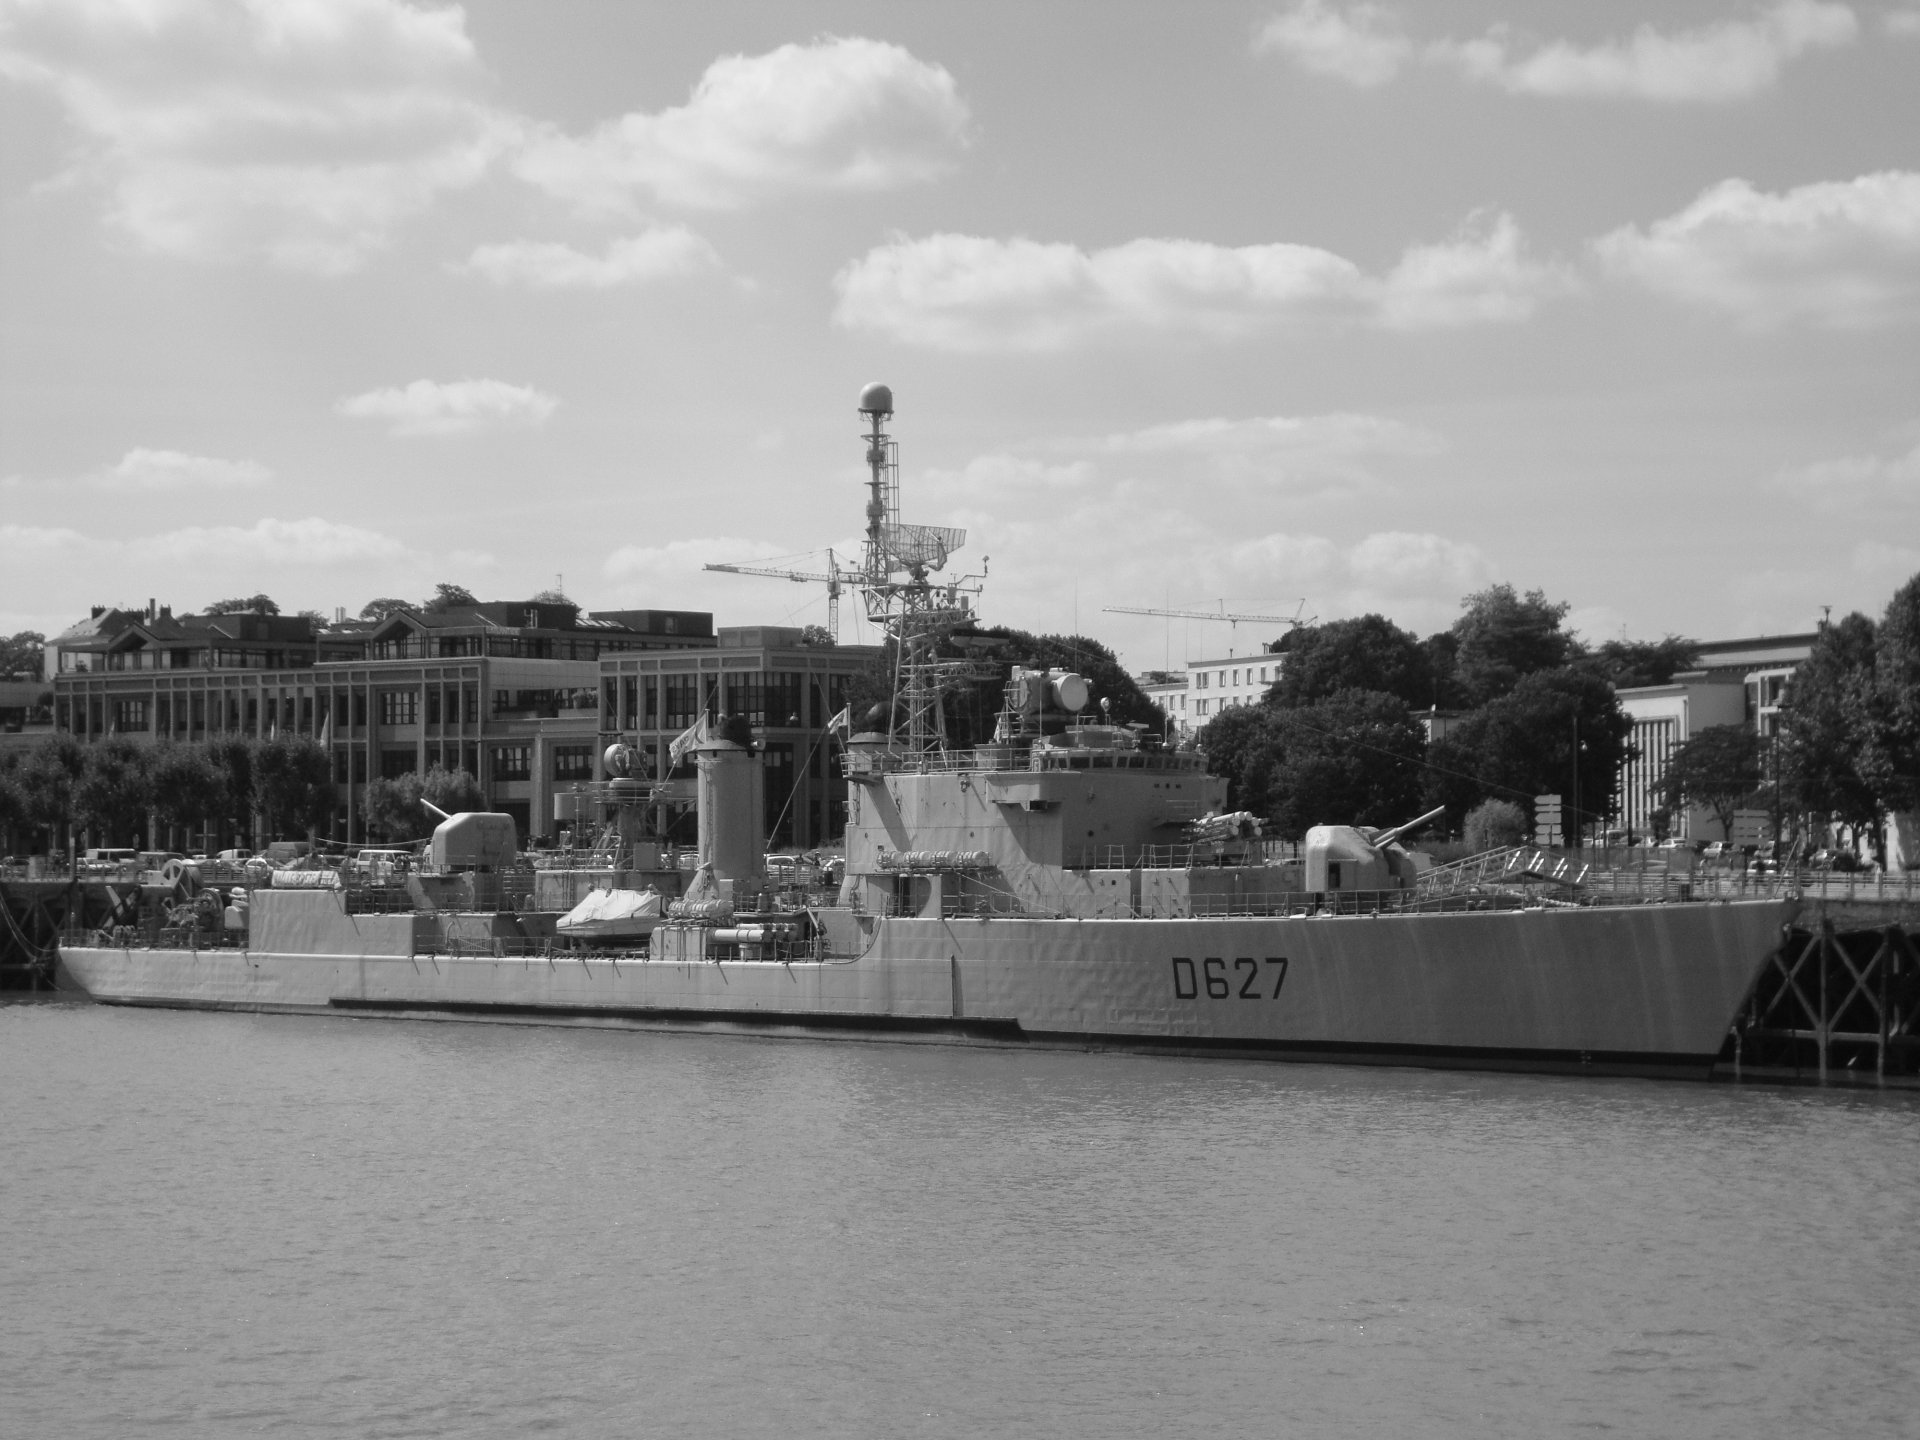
x,y
251,1225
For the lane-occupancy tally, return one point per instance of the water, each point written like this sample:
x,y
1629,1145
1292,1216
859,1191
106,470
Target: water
x,y
249,1225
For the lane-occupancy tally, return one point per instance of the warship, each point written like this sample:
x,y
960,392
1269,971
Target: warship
x,y
1067,881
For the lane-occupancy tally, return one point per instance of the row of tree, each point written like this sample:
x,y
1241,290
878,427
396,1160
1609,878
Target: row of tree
x,y
1847,748
281,787
1339,737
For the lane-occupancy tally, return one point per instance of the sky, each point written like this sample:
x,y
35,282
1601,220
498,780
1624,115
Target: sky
x,y
1305,309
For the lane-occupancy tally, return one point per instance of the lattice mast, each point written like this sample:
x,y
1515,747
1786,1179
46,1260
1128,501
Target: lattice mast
x,y
915,611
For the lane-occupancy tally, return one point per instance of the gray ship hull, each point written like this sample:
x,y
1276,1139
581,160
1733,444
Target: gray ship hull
x,y
1639,989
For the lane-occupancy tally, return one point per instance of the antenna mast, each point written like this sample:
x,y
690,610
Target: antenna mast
x,y
916,612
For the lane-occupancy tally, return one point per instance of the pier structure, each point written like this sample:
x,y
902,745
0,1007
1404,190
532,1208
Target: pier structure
x,y
1838,1000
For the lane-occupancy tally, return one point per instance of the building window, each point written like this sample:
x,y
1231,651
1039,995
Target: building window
x,y
683,701
395,763
512,762
1199,707
573,762
129,715
399,707
433,705
359,707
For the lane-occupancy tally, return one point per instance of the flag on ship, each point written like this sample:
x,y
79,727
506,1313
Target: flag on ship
x,y
691,738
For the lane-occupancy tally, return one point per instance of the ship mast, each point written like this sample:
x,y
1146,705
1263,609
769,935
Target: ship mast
x,y
916,611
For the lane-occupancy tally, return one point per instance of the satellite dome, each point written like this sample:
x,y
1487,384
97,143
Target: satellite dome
x,y
876,399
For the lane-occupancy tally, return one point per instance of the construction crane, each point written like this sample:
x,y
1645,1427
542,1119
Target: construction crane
x,y
836,576
1233,620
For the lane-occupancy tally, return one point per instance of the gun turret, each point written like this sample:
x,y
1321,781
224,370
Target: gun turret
x,y
1387,837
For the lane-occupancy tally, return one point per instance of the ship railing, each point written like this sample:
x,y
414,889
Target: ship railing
x,y
1188,855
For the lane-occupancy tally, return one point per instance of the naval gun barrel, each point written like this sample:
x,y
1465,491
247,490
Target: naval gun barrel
x,y
1387,837
426,804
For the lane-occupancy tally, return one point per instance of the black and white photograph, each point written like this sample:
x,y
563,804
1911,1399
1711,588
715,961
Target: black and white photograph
x,y
1072,720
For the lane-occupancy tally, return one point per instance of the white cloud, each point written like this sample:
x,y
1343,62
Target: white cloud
x,y
1398,563
1856,482
1362,44
1897,563
431,407
1481,276
1844,254
1725,61
302,133
836,115
299,561
662,252
1903,24
1327,436
141,469
971,293
267,543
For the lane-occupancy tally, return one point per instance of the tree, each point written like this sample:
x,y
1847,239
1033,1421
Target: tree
x,y
13,807
188,788
816,636
233,759
1522,745
1353,758
255,604
45,781
1631,663
393,809
1495,824
113,794
452,790
23,656
1369,652
1235,743
1504,636
293,780
1719,768
381,608
447,596
1892,754
1822,719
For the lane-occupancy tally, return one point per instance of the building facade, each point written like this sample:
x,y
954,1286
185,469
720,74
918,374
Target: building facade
x,y
1192,697
506,691
1733,682
787,691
